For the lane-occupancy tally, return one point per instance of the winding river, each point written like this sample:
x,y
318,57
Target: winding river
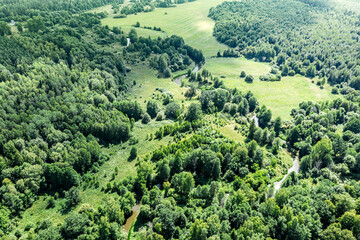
x,y
178,79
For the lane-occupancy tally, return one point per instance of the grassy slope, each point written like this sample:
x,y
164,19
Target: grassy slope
x,y
187,20
191,22
350,5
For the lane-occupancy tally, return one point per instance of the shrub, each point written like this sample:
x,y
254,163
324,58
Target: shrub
x,y
133,153
160,116
249,79
146,119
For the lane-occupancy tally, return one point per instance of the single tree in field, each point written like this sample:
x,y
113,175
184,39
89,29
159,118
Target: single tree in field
x,y
249,79
193,112
133,153
133,35
277,126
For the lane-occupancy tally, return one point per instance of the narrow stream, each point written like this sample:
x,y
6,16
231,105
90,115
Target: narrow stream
x,y
295,168
132,218
256,119
178,79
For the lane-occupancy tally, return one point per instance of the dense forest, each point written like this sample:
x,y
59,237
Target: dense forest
x,y
315,40
62,96
66,103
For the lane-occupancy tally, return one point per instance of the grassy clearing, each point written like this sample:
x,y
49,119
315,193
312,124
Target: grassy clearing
x,y
280,97
229,132
145,32
188,20
106,9
147,83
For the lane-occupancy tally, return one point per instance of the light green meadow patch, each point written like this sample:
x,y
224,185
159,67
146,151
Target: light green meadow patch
x,y
280,96
230,132
147,83
145,32
187,20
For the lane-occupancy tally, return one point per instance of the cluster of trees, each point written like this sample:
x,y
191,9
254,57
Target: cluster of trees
x,y
171,54
54,88
138,6
148,6
277,33
222,186
194,174
23,10
55,85
323,151
232,101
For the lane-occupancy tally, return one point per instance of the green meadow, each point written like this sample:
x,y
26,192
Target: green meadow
x,y
190,21
280,96
187,20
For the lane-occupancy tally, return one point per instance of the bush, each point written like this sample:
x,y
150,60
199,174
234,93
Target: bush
x,y
172,110
146,119
291,73
133,153
160,116
50,202
167,73
152,108
249,79
242,74
72,197
335,90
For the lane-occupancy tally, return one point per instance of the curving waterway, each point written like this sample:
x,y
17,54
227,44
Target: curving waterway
x,y
132,218
178,79
295,168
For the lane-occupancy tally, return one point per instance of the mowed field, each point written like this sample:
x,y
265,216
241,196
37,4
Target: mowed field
x,y
190,21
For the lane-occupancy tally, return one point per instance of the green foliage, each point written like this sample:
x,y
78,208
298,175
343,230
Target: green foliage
x,y
133,153
249,78
35,24
266,37
193,112
172,110
72,197
152,108
4,29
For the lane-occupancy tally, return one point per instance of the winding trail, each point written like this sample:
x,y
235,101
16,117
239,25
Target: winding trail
x,y
295,168
178,79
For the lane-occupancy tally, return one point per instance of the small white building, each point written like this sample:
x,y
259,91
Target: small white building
x,y
12,23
